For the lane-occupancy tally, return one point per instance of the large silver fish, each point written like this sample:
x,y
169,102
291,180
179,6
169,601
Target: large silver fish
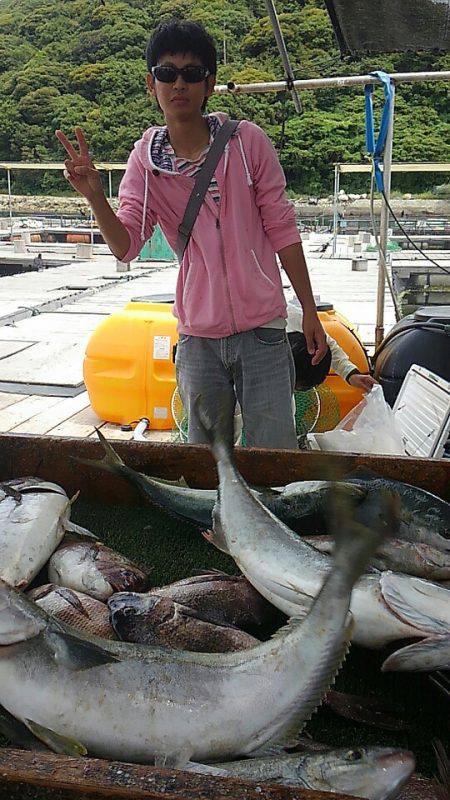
x,y
75,609
423,517
152,620
412,558
283,568
94,569
156,705
34,516
376,773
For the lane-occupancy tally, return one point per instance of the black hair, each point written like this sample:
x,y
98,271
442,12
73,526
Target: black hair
x,y
182,36
306,374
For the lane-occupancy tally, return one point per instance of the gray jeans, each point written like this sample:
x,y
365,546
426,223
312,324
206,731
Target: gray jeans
x,y
256,368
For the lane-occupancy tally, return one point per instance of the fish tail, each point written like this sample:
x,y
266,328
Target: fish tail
x,y
356,542
215,430
111,462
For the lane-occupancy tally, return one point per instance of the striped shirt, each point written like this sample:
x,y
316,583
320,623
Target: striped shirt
x,y
164,156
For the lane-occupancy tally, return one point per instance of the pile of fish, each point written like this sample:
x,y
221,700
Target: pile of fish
x,y
206,674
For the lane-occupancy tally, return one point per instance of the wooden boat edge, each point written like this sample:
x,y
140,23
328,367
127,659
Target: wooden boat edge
x,y
53,459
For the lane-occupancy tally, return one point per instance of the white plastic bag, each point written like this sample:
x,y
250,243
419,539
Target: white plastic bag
x,y
370,427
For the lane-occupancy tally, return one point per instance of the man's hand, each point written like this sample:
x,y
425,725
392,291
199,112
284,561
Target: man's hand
x,y
315,336
360,381
80,171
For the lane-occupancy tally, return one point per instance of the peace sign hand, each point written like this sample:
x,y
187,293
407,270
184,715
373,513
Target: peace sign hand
x,y
80,171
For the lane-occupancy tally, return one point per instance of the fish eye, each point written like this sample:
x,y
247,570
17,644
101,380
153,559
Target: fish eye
x,y
354,755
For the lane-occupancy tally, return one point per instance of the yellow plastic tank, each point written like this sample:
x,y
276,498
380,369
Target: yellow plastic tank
x,y
346,335
128,368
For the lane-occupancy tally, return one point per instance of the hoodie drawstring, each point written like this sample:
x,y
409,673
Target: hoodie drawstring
x,y
144,209
247,172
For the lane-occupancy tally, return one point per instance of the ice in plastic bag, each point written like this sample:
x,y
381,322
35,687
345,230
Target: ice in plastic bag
x,y
370,427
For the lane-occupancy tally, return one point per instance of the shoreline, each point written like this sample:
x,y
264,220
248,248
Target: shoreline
x,y
77,206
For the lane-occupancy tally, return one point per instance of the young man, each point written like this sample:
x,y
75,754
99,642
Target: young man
x,y
229,300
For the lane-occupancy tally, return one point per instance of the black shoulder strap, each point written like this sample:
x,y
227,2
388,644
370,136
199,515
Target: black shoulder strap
x,y
202,182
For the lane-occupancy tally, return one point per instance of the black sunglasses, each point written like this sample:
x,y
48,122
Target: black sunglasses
x,y
167,74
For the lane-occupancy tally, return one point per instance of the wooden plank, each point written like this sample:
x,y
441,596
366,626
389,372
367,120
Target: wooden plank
x,y
59,362
15,414
50,457
135,782
82,424
46,420
10,347
114,432
8,399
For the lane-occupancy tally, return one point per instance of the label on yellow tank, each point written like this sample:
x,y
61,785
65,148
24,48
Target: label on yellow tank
x,y
161,348
160,412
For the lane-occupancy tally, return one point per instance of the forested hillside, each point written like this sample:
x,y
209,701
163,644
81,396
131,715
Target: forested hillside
x,y
68,62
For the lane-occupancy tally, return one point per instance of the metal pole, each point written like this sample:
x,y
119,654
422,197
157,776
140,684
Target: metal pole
x,y
110,184
8,172
326,83
384,225
335,208
92,226
283,53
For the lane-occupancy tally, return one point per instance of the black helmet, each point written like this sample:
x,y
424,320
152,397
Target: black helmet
x,y
307,375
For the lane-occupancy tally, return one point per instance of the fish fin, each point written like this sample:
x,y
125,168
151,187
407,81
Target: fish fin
x,y
366,710
54,741
440,680
214,575
217,538
191,613
71,598
287,627
174,760
165,481
77,532
402,593
76,653
275,749
443,765
400,661
205,769
304,600
17,732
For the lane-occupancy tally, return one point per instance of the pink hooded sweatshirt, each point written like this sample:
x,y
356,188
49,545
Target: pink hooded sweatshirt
x,y
229,280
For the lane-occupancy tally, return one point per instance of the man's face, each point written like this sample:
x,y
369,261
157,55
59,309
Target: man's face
x,y
178,99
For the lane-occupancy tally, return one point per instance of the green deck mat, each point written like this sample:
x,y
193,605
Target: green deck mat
x,y
175,549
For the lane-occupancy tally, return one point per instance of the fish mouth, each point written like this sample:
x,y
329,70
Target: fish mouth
x,y
399,766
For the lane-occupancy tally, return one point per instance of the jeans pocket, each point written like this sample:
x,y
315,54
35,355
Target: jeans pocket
x,y
270,336
183,338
